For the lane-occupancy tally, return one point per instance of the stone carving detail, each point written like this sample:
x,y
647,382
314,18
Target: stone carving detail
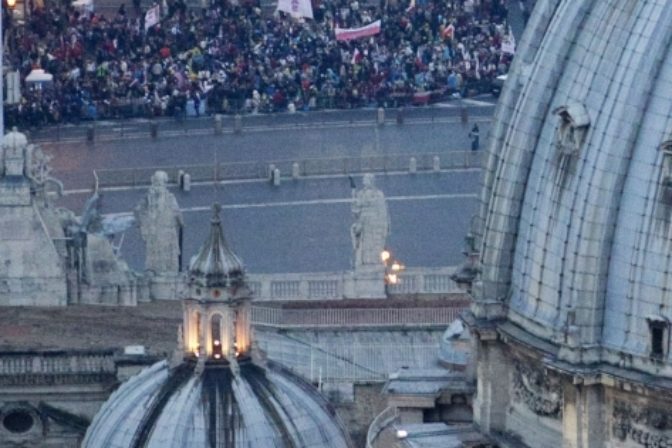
x,y
572,129
371,225
161,223
570,136
541,393
642,425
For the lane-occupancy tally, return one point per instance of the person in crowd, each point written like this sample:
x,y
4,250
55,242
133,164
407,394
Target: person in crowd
x,y
475,136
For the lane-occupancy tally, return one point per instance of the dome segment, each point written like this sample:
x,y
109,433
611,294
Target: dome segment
x,y
216,265
178,408
573,243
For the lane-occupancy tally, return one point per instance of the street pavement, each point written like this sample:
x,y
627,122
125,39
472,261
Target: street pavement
x,y
264,138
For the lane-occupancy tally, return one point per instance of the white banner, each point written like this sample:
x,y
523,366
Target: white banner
x,y
509,43
355,33
152,17
296,8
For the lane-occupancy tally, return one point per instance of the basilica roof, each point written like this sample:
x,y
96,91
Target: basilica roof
x,y
575,229
255,408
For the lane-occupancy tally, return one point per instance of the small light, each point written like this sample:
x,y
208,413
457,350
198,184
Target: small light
x,y
217,356
237,353
402,433
217,342
396,266
196,353
392,279
385,255
11,3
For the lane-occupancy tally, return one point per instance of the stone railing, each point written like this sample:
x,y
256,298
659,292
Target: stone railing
x,y
334,361
50,363
382,421
307,167
331,285
354,317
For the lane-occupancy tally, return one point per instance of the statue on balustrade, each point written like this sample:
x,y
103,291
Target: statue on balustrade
x,y
160,220
371,225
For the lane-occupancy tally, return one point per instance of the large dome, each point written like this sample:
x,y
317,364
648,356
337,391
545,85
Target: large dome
x,y
576,235
256,408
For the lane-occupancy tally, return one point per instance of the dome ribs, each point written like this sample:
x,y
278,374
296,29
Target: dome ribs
x,y
176,378
222,412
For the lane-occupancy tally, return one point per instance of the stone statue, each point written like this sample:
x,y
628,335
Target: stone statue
x,y
160,221
372,225
14,157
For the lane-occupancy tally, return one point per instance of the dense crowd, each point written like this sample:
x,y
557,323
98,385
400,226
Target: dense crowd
x,y
234,58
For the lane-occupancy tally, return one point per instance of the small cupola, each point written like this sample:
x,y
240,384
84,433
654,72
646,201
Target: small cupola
x,y
216,323
216,271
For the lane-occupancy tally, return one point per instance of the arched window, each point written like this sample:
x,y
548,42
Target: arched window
x,y
216,336
196,335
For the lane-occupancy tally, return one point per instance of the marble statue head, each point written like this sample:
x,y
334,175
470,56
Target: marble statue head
x,y
159,179
368,180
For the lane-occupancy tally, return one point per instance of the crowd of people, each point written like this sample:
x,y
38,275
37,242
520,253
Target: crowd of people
x,y
235,57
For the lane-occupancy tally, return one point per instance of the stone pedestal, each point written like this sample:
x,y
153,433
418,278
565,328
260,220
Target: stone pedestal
x,y
165,286
365,283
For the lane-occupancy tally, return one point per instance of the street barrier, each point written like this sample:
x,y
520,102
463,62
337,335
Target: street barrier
x,y
308,167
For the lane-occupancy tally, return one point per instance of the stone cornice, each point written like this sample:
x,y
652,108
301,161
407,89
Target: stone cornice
x,y
582,373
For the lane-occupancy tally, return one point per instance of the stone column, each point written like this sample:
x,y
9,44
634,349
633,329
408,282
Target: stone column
x,y
493,385
582,423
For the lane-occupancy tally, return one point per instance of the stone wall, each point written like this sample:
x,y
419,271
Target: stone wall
x,y
358,414
31,271
48,398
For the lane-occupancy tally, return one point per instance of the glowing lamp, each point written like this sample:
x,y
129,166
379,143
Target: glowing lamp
x,y
392,279
396,266
402,433
216,342
11,3
385,255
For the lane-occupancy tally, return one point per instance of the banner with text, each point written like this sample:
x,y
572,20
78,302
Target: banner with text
x,y
355,33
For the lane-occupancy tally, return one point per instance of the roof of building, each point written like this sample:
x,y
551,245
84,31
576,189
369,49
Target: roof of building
x,y
577,203
437,435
